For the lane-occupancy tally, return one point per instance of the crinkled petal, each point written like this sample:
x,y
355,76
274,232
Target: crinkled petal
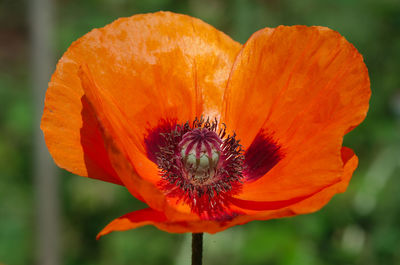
x,y
156,66
160,66
300,89
138,174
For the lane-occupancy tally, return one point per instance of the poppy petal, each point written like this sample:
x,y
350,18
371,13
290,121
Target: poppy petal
x,y
307,204
133,220
318,200
70,128
160,65
320,197
268,205
139,177
304,88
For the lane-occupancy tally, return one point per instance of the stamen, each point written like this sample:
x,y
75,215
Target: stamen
x,y
201,167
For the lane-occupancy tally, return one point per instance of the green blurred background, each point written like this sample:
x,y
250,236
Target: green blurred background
x,y
361,226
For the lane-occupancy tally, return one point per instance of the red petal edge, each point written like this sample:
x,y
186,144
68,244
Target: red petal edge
x,y
133,220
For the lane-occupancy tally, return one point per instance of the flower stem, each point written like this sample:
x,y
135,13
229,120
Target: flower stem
x,y
197,248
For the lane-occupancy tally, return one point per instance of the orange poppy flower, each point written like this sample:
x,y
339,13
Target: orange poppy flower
x,y
207,132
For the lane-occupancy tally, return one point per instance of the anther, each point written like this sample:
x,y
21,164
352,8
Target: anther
x,y
201,165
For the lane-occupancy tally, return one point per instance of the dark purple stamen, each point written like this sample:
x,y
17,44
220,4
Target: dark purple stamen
x,y
199,165
204,167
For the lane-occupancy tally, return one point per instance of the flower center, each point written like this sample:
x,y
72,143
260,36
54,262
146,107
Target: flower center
x,y
200,152
201,167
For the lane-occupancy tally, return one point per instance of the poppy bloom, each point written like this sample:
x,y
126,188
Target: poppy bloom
x,y
207,132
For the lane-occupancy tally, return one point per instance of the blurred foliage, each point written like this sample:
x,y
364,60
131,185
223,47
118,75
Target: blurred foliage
x,y
360,226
